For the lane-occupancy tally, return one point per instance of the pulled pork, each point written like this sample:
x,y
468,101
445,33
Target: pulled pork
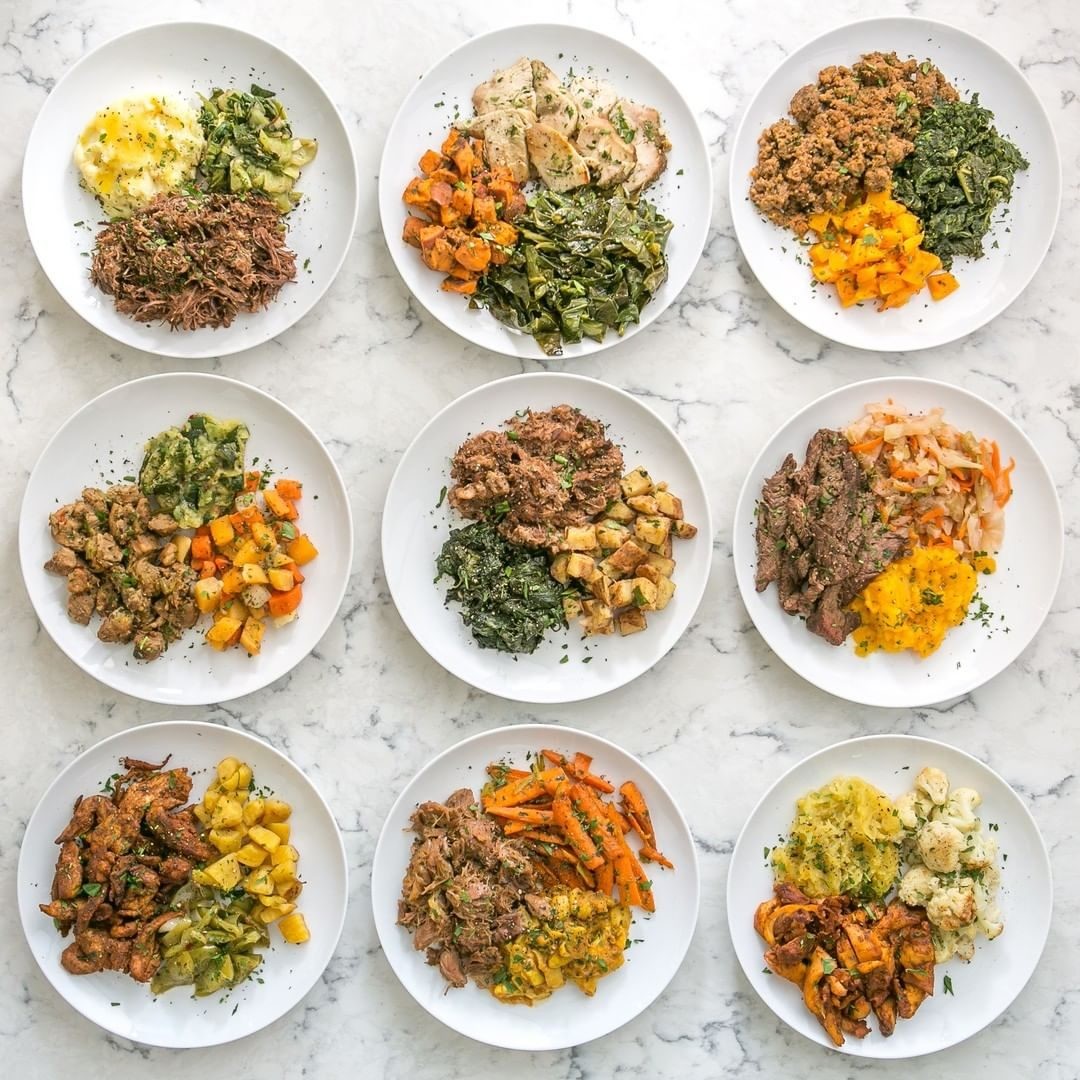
x,y
194,260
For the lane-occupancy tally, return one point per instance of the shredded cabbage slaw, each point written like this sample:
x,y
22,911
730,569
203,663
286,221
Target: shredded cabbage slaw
x,y
947,487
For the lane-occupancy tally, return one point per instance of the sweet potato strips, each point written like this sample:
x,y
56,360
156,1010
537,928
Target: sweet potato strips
x,y
579,838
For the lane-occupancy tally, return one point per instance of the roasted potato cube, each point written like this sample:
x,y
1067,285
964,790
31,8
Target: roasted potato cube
x,y
621,593
264,837
580,566
226,840
276,810
649,572
643,593
599,585
684,530
665,590
665,565
558,568
284,872
629,556
664,548
253,810
571,607
294,929
610,535
580,538
281,854
620,512
631,621
228,813
282,828
613,572
251,855
637,482
652,530
668,504
598,617
258,882
224,873
643,504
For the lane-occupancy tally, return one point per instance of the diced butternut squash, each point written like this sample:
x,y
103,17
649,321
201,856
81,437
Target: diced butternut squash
x,y
251,636
222,531
301,550
280,579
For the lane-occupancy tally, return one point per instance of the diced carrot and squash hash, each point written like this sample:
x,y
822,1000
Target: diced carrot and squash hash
x,y
249,564
872,251
460,212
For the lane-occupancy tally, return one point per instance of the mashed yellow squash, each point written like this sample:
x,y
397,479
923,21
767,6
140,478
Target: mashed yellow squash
x,y
843,840
137,148
914,602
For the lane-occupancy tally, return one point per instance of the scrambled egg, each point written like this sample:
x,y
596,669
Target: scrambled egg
x,y
137,148
581,942
914,602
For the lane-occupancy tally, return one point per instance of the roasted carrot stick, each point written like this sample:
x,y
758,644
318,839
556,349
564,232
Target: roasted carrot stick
x,y
594,781
636,805
580,841
522,813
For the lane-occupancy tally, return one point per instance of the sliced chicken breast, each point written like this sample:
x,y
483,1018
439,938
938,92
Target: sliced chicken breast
x,y
510,88
553,156
555,105
611,159
650,141
592,95
503,132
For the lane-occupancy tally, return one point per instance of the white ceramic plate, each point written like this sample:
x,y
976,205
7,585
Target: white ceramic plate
x,y
988,285
116,1002
414,530
186,58
983,988
567,1018
1019,593
100,445
446,91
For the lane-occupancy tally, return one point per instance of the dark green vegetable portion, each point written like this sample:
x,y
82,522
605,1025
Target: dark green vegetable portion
x,y
250,146
960,170
587,262
508,599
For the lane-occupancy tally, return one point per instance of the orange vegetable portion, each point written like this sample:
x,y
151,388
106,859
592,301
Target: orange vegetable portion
x,y
872,251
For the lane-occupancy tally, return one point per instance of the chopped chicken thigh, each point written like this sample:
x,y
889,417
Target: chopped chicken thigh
x,y
511,88
609,156
555,105
650,141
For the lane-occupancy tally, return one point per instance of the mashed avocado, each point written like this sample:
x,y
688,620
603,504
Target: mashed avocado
x,y
195,471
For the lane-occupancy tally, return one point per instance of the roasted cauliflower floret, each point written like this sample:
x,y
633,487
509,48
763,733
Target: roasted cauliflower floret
x,y
918,886
913,808
980,852
952,907
940,845
988,919
959,809
933,783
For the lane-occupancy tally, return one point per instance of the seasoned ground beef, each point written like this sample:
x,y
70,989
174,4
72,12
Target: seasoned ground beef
x,y
546,471
849,129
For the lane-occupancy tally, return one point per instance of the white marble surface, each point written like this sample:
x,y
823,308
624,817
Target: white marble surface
x,y
368,708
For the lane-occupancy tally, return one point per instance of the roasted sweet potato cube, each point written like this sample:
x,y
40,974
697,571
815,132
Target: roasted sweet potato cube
x,y
474,254
636,482
684,530
453,141
413,227
466,288
439,256
580,566
464,159
462,200
431,161
418,193
631,621
627,558
668,504
483,209
503,233
652,530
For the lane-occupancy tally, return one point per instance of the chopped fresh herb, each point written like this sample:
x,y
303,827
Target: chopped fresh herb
x,y
946,985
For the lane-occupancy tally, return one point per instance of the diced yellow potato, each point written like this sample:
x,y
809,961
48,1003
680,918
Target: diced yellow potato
x,y
264,837
684,530
283,853
637,482
620,512
599,585
294,929
276,810
652,530
290,890
253,574
284,872
229,812
611,535
668,504
598,617
183,547
628,557
580,566
665,548
643,504
643,593
258,882
610,570
558,568
282,580
210,799
253,810
251,855
201,813
201,877
571,607
631,621
263,536
244,773
665,590
227,840
207,593
621,593
222,631
276,902
226,767
252,635
649,572
225,872
282,828
222,531
247,552
580,538
232,581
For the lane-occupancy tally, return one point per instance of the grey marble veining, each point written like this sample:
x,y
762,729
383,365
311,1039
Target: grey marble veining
x,y
720,713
